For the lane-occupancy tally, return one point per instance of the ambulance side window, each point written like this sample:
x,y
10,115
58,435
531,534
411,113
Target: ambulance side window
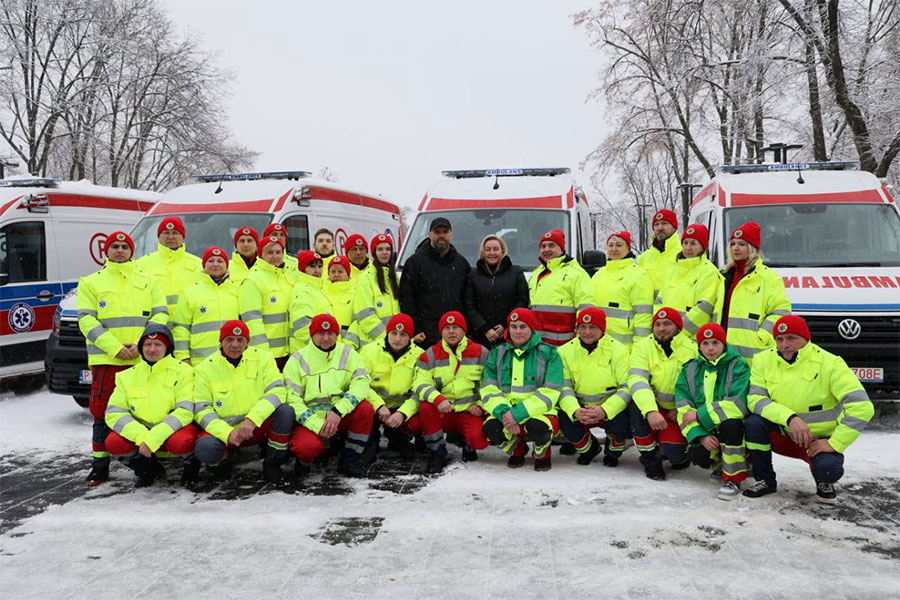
x,y
23,252
713,237
298,233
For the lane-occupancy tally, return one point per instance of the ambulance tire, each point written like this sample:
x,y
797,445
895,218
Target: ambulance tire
x,y
82,401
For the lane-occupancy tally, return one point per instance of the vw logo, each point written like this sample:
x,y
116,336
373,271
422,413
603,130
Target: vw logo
x,y
849,329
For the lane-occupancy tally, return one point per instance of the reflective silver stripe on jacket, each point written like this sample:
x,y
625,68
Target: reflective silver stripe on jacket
x,y
124,322
550,308
208,327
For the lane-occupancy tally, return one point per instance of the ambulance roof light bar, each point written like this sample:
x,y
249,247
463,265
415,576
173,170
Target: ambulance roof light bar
x,y
218,177
846,165
538,172
30,182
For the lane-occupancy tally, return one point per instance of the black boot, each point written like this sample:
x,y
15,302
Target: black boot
x,y
592,451
190,474
567,449
543,464
469,454
399,441
272,471
97,476
225,468
300,471
655,472
682,465
436,463
610,460
145,470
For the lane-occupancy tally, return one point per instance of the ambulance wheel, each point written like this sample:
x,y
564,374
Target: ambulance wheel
x,y
82,401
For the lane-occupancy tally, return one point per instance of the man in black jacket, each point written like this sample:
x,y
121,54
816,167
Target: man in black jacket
x,y
433,281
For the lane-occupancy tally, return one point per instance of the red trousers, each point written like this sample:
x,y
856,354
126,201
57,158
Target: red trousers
x,y
463,423
308,445
103,383
179,443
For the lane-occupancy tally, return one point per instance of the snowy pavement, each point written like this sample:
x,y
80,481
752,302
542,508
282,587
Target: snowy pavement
x,y
480,530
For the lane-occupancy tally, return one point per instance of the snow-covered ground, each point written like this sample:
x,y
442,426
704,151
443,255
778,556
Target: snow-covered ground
x,y
479,531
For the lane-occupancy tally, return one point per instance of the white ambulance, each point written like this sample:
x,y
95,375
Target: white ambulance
x,y
215,207
516,204
51,233
833,234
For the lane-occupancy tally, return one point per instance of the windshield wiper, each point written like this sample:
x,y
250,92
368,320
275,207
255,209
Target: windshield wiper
x,y
849,264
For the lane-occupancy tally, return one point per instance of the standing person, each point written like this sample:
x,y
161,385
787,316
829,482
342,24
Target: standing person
x,y
806,404
434,281
624,291
327,387
377,296
496,287
114,306
307,299
239,399
711,395
595,390
244,257
660,257
392,369
280,231
171,264
340,290
520,387
656,362
558,289
357,252
204,307
323,244
754,295
694,285
264,300
152,408
446,384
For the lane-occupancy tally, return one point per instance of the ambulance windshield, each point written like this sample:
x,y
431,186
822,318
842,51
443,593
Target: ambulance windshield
x,y
203,230
519,228
823,235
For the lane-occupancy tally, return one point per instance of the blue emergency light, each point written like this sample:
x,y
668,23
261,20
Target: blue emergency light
x,y
847,165
213,178
539,172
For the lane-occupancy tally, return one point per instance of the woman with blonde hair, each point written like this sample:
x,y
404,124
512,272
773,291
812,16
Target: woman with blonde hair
x,y
496,287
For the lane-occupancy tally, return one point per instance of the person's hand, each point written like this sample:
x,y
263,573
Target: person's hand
x,y
132,350
246,429
384,413
419,337
818,446
672,415
330,426
444,406
123,354
234,438
710,442
491,335
475,410
509,423
802,434
186,360
592,415
145,451
689,417
656,420
395,420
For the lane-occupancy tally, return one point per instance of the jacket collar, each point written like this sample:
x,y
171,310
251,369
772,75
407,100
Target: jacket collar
x,y
125,268
170,255
617,265
307,279
463,344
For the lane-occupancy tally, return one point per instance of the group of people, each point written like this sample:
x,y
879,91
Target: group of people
x,y
197,357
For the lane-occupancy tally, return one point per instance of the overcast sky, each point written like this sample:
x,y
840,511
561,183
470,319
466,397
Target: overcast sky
x,y
389,93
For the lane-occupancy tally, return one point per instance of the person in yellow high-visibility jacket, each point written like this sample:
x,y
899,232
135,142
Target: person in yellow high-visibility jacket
x,y
624,291
204,307
806,404
307,299
243,258
660,257
340,289
280,231
151,410
357,252
114,306
376,299
171,264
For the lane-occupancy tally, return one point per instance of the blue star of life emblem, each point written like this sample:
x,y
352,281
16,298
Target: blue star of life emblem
x,y
202,310
219,403
102,304
379,304
132,408
273,300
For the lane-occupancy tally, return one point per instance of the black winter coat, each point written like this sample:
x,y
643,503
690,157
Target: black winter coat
x,y
432,285
491,297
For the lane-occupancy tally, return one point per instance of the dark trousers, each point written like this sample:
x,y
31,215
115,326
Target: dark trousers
x,y
764,436
617,431
276,429
656,444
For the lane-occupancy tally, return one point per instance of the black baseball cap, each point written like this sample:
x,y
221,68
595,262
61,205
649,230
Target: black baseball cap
x,y
441,222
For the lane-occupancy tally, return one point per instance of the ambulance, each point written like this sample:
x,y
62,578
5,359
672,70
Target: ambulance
x,y
518,205
833,234
51,233
213,208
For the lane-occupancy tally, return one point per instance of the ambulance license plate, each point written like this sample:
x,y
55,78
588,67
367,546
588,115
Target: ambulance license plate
x,y
869,374
85,377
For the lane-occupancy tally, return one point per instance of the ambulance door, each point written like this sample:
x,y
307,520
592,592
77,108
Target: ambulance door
x,y
297,226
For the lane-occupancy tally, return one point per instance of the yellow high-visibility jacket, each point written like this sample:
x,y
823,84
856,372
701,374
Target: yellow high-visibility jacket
x,y
238,269
114,306
201,311
307,301
694,288
225,395
175,270
455,375
340,295
558,290
372,309
652,374
264,303
818,387
625,293
757,302
657,264
597,378
391,383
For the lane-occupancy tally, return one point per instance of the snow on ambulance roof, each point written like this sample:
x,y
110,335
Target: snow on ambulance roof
x,y
261,195
524,191
79,194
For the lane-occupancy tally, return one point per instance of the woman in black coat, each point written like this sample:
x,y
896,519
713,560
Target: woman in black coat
x,y
496,287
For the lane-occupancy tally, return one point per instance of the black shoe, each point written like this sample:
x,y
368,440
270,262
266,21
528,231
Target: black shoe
x,y
515,462
456,439
655,472
825,493
352,469
223,471
190,474
682,465
542,464
469,454
97,476
400,442
369,454
588,455
759,489
147,470
272,472
610,461
437,463
300,470
567,449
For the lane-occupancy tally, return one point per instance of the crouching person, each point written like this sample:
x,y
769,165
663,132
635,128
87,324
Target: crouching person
x,y
595,389
806,404
711,395
656,363
327,385
152,409
239,401
520,389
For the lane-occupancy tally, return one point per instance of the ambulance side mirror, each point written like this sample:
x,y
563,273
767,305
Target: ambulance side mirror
x,y
593,260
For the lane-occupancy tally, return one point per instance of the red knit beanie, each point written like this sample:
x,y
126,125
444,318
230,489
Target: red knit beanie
x,y
170,224
402,323
304,257
750,232
342,261
711,331
118,236
523,315
234,327
324,322
621,234
556,236
669,313
453,318
792,324
592,315
381,238
246,231
353,241
214,251
272,228
697,232
265,242
666,215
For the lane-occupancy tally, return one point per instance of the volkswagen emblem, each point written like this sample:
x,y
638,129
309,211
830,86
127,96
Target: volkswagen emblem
x,y
849,329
